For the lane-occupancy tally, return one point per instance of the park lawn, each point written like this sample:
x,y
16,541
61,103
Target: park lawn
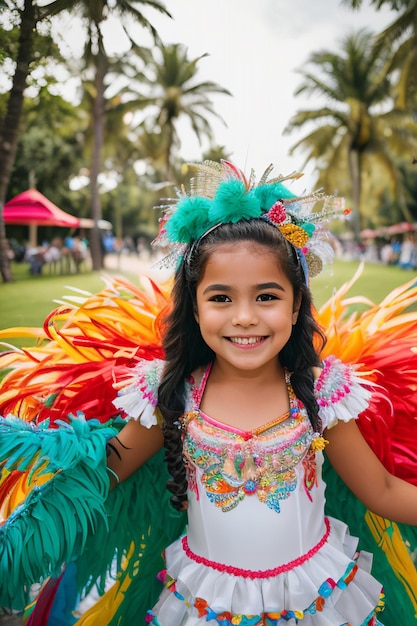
x,y
29,299
375,282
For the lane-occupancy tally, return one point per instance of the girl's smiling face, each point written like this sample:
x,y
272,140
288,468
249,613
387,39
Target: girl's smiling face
x,y
245,306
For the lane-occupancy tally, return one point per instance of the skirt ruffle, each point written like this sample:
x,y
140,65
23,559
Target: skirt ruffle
x,y
334,587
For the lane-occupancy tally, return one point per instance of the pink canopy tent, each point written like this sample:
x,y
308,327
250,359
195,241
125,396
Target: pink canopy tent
x,y
398,229
33,208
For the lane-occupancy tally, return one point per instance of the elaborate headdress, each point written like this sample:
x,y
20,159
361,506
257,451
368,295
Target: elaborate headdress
x,y
220,193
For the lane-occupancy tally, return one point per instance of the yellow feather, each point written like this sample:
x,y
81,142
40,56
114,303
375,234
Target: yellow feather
x,y
388,537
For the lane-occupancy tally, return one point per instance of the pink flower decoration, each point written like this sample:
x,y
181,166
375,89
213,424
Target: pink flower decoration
x,y
277,213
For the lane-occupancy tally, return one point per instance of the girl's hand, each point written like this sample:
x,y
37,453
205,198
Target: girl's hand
x,y
358,466
133,446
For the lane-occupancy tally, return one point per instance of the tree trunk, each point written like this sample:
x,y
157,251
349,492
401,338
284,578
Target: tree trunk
x,y
403,203
168,152
95,169
9,131
355,176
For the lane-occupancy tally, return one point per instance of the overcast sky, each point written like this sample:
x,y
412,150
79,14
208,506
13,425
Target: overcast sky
x,y
255,48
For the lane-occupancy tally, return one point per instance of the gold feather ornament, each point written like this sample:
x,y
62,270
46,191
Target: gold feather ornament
x,y
297,236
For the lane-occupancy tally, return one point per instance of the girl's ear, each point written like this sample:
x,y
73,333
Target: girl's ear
x,y
296,308
195,311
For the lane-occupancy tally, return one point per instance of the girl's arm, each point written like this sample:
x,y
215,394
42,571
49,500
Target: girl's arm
x,y
358,466
134,445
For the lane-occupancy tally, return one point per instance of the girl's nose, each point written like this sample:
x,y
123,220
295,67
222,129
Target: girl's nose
x,y
244,315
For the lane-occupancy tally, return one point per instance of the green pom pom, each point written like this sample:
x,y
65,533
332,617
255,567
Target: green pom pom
x,y
233,203
189,221
269,194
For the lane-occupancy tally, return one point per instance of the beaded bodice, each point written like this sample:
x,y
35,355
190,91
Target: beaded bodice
x,y
235,464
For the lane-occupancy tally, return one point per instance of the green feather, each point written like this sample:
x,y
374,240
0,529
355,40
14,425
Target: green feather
x,y
269,194
233,203
342,504
139,511
190,219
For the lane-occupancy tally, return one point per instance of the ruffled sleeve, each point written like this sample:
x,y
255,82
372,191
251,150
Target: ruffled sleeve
x,y
138,400
340,393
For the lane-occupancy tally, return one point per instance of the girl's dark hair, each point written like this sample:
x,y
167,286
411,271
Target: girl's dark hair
x,y
185,349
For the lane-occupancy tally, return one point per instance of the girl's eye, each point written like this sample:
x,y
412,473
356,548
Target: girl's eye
x,y
266,297
220,298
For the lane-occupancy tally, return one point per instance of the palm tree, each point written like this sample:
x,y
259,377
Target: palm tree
x,y
178,95
359,126
393,4
94,14
400,36
29,17
9,127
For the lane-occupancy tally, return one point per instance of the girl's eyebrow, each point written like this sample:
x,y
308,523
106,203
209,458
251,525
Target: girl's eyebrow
x,y
217,287
260,287
270,286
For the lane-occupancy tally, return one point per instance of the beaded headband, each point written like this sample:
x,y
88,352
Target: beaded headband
x,y
220,193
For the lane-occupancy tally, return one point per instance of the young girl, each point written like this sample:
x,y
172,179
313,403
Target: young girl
x,y
242,405
246,410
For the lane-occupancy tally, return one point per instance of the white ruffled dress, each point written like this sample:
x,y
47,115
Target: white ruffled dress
x,y
259,549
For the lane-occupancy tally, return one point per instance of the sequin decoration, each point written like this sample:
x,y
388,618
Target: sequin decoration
x,y
315,264
297,236
310,472
238,464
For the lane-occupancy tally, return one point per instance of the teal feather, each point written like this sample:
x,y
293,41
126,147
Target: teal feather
x,y
72,517
52,525
309,228
139,511
269,194
233,202
190,219
25,446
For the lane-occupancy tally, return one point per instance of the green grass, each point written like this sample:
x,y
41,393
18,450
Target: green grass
x,y
375,282
29,299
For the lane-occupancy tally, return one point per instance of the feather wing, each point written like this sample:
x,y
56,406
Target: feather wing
x,y
381,341
97,337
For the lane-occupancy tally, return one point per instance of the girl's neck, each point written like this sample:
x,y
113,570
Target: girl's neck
x,y
269,374
245,400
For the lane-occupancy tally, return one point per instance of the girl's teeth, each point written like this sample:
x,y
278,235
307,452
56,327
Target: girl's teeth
x,y
245,340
